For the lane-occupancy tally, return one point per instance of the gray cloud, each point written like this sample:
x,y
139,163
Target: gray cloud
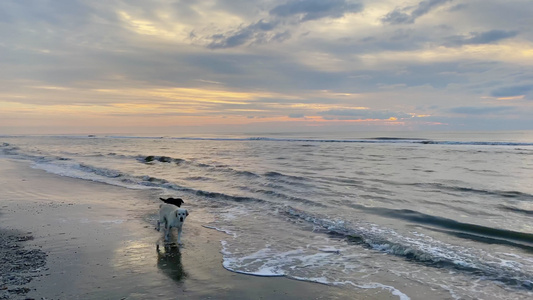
x,y
512,91
408,15
296,116
458,7
480,110
288,14
361,114
475,38
308,10
481,122
221,41
258,32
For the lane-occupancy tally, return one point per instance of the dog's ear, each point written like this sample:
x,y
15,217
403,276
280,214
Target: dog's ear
x,y
186,212
182,202
177,214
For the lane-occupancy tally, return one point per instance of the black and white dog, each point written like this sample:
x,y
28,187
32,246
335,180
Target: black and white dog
x,y
171,217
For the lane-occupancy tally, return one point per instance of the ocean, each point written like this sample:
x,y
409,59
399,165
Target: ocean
x,y
424,215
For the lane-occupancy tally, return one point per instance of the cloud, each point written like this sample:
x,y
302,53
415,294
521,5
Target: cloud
x,y
307,10
361,114
282,18
458,7
480,110
258,32
296,116
50,13
408,15
512,91
312,56
476,38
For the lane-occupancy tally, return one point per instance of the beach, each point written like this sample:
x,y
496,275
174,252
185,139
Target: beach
x,y
89,240
307,217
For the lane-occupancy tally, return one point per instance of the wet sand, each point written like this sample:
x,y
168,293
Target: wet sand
x,y
100,243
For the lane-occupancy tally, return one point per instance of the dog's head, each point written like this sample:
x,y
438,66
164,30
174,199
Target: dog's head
x,y
181,214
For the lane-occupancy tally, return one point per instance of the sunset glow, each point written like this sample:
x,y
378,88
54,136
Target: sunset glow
x,y
82,67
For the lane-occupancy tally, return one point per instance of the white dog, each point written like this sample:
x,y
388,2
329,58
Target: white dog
x,y
171,216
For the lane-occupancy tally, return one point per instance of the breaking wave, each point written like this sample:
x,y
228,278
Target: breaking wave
x,y
421,249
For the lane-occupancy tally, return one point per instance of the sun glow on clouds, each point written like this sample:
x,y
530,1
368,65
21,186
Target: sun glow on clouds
x,y
520,97
147,27
312,62
51,88
192,95
520,53
166,26
179,106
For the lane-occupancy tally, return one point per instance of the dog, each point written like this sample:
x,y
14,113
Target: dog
x,y
171,216
176,201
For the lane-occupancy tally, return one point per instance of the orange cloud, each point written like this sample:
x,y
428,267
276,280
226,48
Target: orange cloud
x,y
512,98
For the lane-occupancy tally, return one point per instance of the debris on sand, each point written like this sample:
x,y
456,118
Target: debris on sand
x,y
18,264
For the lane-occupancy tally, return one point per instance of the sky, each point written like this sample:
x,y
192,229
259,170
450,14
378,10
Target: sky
x,y
183,66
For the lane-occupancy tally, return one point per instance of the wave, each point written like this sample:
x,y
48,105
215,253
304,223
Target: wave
x,y
270,176
421,250
114,177
274,194
477,232
474,232
71,168
515,195
151,159
482,238
516,209
8,149
164,159
278,175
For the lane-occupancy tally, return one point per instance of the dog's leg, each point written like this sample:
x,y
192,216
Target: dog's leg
x,y
167,231
158,227
179,235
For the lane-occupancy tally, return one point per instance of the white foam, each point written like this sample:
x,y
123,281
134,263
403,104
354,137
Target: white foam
x,y
377,285
234,264
321,280
68,169
451,291
228,232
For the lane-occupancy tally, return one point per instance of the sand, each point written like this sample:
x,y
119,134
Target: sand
x,y
85,240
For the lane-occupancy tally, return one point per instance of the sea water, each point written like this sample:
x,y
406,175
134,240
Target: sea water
x,y
422,215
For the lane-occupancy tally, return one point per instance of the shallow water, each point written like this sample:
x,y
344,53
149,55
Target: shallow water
x,y
445,213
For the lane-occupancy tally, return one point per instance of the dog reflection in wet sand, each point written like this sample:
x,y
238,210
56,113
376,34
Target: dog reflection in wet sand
x,y
169,262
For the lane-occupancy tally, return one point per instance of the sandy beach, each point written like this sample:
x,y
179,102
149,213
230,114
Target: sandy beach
x,y
86,240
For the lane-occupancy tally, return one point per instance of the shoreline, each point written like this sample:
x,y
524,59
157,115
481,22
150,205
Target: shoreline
x,y
100,243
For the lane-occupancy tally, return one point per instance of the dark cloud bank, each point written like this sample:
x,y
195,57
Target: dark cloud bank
x,y
275,27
